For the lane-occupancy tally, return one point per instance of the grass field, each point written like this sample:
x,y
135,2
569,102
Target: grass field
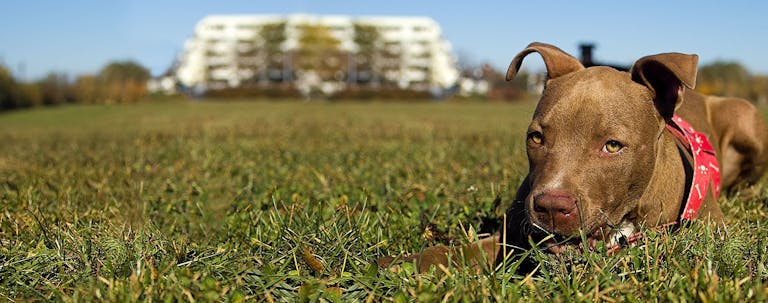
x,y
285,202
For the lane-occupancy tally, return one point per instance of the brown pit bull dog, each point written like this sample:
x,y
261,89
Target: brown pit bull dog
x,y
609,152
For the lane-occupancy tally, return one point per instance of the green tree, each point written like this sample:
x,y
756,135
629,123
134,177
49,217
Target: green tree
x,y
272,39
30,94
731,79
759,85
55,89
319,53
724,78
123,81
124,71
8,90
368,41
15,94
87,89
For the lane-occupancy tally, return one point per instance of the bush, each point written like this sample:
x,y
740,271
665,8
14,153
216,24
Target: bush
x,y
17,95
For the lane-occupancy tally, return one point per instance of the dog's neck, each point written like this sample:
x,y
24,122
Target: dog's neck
x,y
660,203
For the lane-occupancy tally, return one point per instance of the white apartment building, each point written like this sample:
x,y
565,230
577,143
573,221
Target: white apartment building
x,y
423,58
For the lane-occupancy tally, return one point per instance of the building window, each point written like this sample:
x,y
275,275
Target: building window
x,y
249,27
390,28
216,27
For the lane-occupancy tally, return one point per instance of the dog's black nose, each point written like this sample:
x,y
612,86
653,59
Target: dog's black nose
x,y
557,208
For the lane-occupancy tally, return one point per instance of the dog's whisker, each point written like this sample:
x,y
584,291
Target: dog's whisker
x,y
539,227
512,246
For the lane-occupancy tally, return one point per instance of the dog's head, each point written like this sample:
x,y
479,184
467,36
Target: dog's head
x,y
593,140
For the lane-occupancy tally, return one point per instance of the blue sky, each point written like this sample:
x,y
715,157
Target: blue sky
x,y
81,36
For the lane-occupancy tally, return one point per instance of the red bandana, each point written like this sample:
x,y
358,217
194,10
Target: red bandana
x,y
705,167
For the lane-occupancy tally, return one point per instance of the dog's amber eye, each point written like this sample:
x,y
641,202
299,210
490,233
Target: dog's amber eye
x,y
612,147
535,137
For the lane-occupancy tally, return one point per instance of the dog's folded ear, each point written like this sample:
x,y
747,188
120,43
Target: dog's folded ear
x,y
557,61
666,75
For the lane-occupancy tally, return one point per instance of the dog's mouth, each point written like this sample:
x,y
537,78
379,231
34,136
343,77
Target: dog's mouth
x,y
609,236
557,244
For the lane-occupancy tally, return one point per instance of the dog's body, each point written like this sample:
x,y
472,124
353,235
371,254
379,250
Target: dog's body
x,y
602,161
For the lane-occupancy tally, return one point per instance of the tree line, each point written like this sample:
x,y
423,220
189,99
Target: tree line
x,y
126,82
729,78
116,82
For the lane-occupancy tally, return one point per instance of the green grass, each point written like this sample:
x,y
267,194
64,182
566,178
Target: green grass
x,y
284,202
